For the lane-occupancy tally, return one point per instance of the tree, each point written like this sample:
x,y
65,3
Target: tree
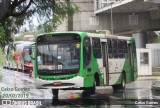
x,y
50,13
2,35
157,39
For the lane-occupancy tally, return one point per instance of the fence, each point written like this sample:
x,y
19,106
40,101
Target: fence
x,y
103,3
155,57
155,60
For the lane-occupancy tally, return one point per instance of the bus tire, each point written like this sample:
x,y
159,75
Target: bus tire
x,y
16,67
86,92
93,89
122,85
95,83
90,91
22,69
123,82
55,93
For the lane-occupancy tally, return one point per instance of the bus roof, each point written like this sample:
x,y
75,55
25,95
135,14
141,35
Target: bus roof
x,y
68,32
93,35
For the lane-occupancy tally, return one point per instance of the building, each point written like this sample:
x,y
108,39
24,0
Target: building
x,y
120,17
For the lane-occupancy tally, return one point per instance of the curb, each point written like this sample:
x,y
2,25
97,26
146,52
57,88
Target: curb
x,y
149,78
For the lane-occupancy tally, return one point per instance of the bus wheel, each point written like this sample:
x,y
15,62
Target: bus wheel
x,y
93,89
17,68
22,68
89,91
30,73
86,92
123,82
55,93
120,86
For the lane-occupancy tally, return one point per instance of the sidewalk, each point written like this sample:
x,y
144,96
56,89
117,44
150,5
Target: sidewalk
x,y
156,82
148,78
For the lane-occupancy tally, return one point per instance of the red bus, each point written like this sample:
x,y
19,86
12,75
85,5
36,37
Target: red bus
x,y
22,59
9,55
28,38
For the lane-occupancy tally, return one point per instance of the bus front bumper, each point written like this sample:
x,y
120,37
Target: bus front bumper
x,y
76,82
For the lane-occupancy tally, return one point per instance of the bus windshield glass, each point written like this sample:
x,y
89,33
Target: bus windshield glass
x,y
58,55
27,57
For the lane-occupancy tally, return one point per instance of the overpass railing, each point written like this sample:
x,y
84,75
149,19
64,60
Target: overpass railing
x,y
104,3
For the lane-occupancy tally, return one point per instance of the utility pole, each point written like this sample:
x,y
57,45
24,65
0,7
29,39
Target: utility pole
x,y
111,19
110,3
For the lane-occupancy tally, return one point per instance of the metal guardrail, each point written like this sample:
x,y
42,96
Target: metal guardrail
x,y
155,60
104,3
155,57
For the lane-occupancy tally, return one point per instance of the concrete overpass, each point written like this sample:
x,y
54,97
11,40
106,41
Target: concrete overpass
x,y
126,17
129,15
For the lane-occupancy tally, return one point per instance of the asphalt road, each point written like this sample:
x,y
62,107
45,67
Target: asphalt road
x,y
137,94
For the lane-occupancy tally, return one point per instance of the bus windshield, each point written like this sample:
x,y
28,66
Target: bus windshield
x,y
27,57
58,56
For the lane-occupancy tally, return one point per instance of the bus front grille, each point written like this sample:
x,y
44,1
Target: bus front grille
x,y
57,78
62,84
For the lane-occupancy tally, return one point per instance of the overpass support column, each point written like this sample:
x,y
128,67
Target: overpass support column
x,y
141,39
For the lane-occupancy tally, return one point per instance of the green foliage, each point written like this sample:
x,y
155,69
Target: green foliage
x,y
158,39
49,13
2,32
0,57
18,38
61,11
3,37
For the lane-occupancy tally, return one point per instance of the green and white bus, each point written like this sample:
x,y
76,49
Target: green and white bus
x,y
82,61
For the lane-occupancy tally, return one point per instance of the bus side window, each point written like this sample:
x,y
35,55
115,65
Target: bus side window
x,y
96,48
125,48
120,51
110,54
86,52
115,52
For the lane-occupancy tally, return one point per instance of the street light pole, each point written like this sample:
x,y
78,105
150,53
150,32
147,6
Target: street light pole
x,y
111,19
110,2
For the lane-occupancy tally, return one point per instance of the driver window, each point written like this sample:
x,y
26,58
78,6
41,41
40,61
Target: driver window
x,y
86,52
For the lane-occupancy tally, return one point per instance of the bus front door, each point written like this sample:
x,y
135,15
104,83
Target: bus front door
x,y
131,58
105,61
